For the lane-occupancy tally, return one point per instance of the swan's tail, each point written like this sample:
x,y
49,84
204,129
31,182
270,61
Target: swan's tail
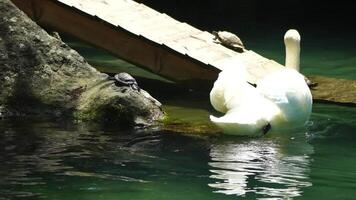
x,y
234,125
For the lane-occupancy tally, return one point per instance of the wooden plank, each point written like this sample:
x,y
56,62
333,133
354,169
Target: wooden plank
x,y
175,46
208,54
147,29
155,31
122,43
204,36
181,31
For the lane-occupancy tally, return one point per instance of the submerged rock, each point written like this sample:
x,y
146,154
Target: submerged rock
x,y
41,75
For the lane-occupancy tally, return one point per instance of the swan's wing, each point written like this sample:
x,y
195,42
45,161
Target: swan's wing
x,y
288,90
230,81
240,95
217,96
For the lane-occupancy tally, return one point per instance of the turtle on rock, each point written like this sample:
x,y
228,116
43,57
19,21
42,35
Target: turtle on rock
x,y
228,40
125,79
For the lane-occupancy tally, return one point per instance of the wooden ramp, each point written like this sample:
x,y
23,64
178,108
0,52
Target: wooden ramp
x,y
144,37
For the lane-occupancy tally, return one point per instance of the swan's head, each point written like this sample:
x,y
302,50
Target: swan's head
x,y
291,37
292,45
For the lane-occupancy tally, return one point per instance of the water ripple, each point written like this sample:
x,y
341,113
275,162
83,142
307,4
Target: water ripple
x,y
103,176
258,167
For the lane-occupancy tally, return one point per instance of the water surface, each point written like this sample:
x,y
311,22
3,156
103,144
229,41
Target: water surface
x,y
188,158
52,160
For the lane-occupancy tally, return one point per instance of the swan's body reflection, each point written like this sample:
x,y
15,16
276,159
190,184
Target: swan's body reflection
x,y
261,167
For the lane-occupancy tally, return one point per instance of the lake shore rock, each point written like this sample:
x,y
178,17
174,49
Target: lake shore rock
x,y
42,76
334,91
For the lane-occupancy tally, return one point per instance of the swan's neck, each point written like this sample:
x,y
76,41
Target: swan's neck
x,y
292,45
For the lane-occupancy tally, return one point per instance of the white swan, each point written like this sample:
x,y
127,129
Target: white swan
x,y
281,99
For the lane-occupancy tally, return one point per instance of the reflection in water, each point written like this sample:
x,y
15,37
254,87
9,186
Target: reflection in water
x,y
41,154
49,160
260,167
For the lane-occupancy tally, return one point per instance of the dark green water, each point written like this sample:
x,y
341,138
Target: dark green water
x,y
57,160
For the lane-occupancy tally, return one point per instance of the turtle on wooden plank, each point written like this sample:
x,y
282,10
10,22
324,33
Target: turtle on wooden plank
x,y
229,40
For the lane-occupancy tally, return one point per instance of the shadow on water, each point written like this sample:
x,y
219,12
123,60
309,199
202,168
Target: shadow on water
x,y
47,159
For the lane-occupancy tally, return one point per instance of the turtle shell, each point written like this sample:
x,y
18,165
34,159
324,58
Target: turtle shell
x,y
229,40
124,78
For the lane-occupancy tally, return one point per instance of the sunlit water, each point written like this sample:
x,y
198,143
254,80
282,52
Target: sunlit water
x,y
61,160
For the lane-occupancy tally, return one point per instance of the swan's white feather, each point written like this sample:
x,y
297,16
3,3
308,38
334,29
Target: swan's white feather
x,y
226,86
288,90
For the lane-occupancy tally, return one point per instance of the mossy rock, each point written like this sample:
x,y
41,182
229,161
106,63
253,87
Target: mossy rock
x,y
333,90
41,75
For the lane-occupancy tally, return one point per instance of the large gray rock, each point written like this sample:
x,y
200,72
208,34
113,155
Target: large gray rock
x,y
41,75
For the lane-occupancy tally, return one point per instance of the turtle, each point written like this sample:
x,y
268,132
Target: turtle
x,y
125,79
228,40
